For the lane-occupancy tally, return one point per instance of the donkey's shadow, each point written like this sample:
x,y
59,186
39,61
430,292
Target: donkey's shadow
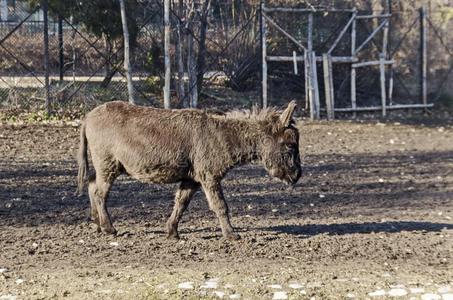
x,y
353,228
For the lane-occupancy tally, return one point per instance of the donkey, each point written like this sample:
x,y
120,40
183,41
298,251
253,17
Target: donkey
x,y
188,146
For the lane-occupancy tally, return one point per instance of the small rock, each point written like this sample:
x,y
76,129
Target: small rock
x,y
186,285
275,286
280,295
235,296
444,289
219,294
429,296
417,290
377,293
3,270
447,297
19,281
210,284
350,295
397,292
295,286
114,244
8,297
274,210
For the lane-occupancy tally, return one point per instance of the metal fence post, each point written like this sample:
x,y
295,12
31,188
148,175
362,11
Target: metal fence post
x,y
61,46
424,56
45,8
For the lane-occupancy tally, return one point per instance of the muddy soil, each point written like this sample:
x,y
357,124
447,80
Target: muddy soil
x,y
370,218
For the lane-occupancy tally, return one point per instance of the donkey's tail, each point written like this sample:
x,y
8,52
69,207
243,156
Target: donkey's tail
x,y
82,160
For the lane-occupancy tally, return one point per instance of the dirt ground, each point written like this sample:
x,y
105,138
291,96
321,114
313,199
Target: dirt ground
x,y
370,218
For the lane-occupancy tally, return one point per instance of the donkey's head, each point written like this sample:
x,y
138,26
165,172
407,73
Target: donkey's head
x,y
279,146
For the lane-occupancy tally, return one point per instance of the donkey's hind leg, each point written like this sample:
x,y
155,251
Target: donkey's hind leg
x,y
94,216
182,199
106,173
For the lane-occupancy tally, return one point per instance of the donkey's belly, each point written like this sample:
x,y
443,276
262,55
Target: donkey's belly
x,y
160,174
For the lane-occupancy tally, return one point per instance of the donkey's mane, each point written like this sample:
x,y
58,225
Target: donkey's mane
x,y
253,114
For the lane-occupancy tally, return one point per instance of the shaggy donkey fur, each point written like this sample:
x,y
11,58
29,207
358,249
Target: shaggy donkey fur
x,y
188,146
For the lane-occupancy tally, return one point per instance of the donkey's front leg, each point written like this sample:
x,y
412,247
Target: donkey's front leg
x,y
214,195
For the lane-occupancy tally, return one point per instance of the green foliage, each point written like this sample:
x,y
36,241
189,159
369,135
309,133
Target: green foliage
x,y
154,61
446,100
100,17
154,85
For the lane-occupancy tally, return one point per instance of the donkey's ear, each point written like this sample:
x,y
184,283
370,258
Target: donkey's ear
x,y
287,115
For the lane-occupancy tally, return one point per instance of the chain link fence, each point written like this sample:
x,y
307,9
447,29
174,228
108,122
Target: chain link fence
x,y
87,69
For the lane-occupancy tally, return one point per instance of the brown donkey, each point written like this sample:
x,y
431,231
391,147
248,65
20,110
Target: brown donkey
x,y
188,146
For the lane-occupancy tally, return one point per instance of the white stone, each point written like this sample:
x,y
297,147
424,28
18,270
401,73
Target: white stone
x,y
186,285
444,289
282,295
295,286
397,292
19,281
210,284
417,290
235,296
3,270
219,294
275,286
114,244
447,296
377,293
8,297
350,295
430,296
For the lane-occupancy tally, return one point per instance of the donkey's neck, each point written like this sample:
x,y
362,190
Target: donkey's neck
x,y
242,138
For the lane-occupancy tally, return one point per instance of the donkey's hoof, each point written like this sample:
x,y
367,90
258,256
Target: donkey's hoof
x,y
232,236
173,235
109,230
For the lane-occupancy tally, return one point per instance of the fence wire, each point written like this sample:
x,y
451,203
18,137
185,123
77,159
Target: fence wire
x,y
93,70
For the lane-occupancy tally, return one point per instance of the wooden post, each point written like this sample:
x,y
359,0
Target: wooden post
x,y
424,56
263,58
167,53
353,70
127,61
45,8
307,61
179,58
383,91
307,80
60,47
328,85
314,86
390,67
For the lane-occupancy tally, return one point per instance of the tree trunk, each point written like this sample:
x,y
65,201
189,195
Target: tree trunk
x,y
179,58
3,10
127,62
167,53
192,71
201,59
192,89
